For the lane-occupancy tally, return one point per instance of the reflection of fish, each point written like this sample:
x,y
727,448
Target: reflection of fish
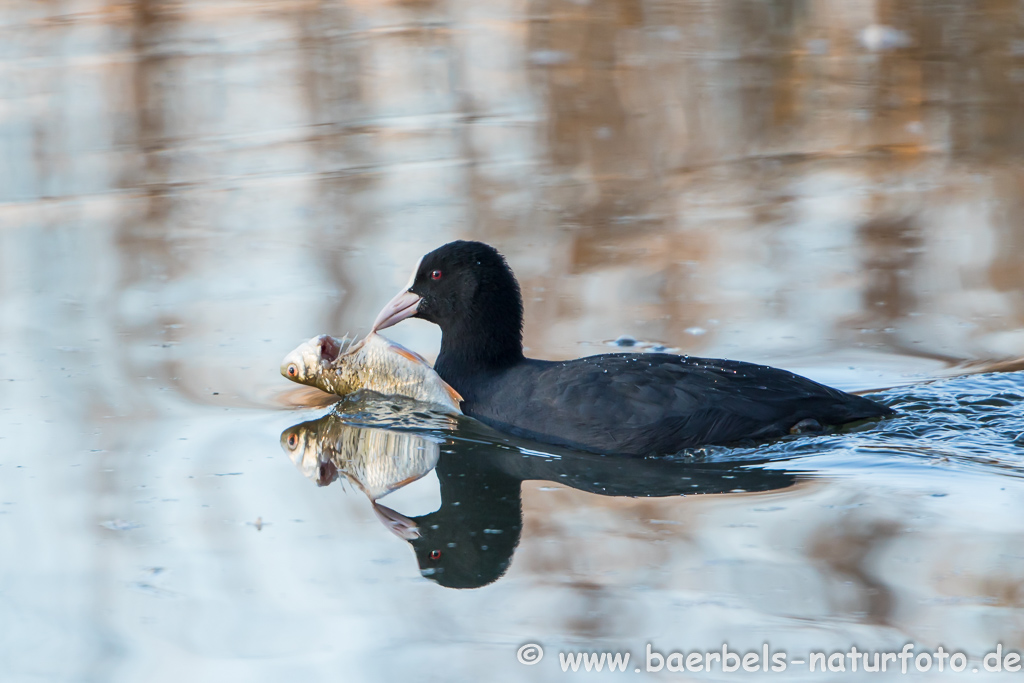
x,y
378,461
375,363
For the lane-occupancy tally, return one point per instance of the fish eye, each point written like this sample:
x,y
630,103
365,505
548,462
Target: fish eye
x,y
293,370
293,441
435,554
436,275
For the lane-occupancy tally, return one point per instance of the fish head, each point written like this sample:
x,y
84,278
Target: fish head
x,y
305,362
302,447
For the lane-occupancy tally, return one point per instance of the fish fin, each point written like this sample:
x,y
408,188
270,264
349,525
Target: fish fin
x,y
456,396
401,350
353,345
411,355
404,482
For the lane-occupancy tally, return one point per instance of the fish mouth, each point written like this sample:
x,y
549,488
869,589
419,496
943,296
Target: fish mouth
x,y
326,473
404,305
330,349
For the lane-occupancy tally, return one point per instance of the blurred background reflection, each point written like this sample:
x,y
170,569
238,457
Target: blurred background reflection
x,y
190,188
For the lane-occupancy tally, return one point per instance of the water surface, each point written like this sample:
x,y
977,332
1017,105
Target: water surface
x,y
188,190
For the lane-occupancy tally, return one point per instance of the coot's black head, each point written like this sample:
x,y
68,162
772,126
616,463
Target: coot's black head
x,y
468,290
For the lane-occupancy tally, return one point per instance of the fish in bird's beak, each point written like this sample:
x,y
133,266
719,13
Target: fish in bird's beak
x,y
403,306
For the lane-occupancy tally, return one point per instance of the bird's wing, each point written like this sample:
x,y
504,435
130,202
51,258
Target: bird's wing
x,y
658,399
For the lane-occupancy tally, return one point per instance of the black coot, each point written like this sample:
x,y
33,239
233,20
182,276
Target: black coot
x,y
627,403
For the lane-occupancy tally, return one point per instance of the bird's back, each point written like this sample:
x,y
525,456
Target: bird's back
x,y
645,404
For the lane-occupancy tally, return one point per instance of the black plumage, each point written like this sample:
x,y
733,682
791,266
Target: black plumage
x,y
626,403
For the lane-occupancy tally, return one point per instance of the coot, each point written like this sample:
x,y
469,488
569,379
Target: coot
x,y
623,403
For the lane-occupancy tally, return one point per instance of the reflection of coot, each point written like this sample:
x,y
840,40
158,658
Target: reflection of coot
x,y
469,541
631,404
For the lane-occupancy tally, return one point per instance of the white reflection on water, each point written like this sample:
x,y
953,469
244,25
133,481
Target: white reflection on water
x,y
187,190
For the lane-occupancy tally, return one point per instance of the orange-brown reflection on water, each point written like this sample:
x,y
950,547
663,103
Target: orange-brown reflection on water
x,y
189,189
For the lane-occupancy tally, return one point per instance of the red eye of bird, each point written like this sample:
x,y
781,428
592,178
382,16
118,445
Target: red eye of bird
x,y
436,275
435,554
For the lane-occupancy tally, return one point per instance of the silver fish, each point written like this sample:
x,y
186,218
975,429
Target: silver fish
x,y
377,461
375,363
